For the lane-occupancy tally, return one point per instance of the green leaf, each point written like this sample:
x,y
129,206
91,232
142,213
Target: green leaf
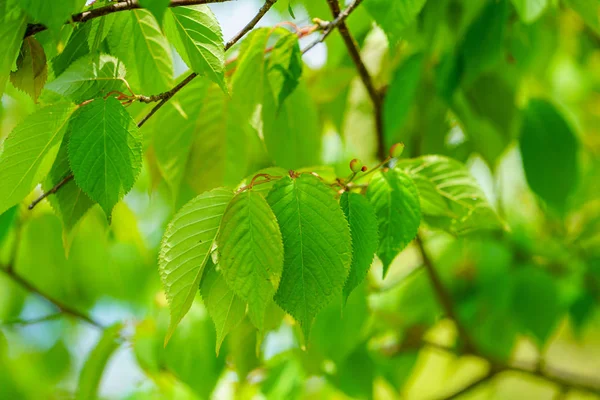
x,y
90,76
536,305
400,96
105,151
91,373
70,202
225,308
196,34
317,246
530,10
395,199
394,16
549,150
588,10
483,44
12,27
152,53
77,47
7,219
32,71
185,250
450,197
53,14
99,30
29,150
251,252
156,7
292,134
363,229
284,67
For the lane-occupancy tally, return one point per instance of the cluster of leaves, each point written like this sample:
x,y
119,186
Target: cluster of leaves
x,y
232,137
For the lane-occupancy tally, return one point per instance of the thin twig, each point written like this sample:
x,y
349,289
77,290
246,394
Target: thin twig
x,y
354,53
51,191
32,321
85,16
443,296
66,309
168,95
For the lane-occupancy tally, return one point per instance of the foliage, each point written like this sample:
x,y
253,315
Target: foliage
x,y
412,213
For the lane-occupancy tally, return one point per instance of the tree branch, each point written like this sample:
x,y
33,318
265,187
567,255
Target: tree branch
x,y
66,309
444,297
362,71
51,191
19,321
166,96
85,16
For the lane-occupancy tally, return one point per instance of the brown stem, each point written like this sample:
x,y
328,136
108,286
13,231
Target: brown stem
x,y
51,191
354,53
444,297
85,16
10,272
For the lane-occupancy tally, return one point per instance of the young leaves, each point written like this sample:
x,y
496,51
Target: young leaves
x,y
196,34
152,53
394,16
12,27
549,151
186,247
225,308
317,246
363,229
89,77
105,151
284,67
450,197
29,151
251,252
394,197
32,70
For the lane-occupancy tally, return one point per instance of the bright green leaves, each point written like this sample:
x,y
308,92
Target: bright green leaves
x,y
530,10
152,53
317,246
450,197
186,248
197,36
156,7
394,197
53,14
400,96
32,71
284,67
549,150
12,28
251,252
91,373
394,16
363,229
89,77
29,150
105,151
588,10
225,308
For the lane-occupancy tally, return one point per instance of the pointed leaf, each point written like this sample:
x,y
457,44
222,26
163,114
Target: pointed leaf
x,y
152,53
284,67
225,308
12,27
32,71
317,246
91,373
196,34
185,249
77,47
394,197
90,76
251,252
29,150
105,151
450,197
363,229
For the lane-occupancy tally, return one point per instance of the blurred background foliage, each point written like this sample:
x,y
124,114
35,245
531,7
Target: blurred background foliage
x,y
510,88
